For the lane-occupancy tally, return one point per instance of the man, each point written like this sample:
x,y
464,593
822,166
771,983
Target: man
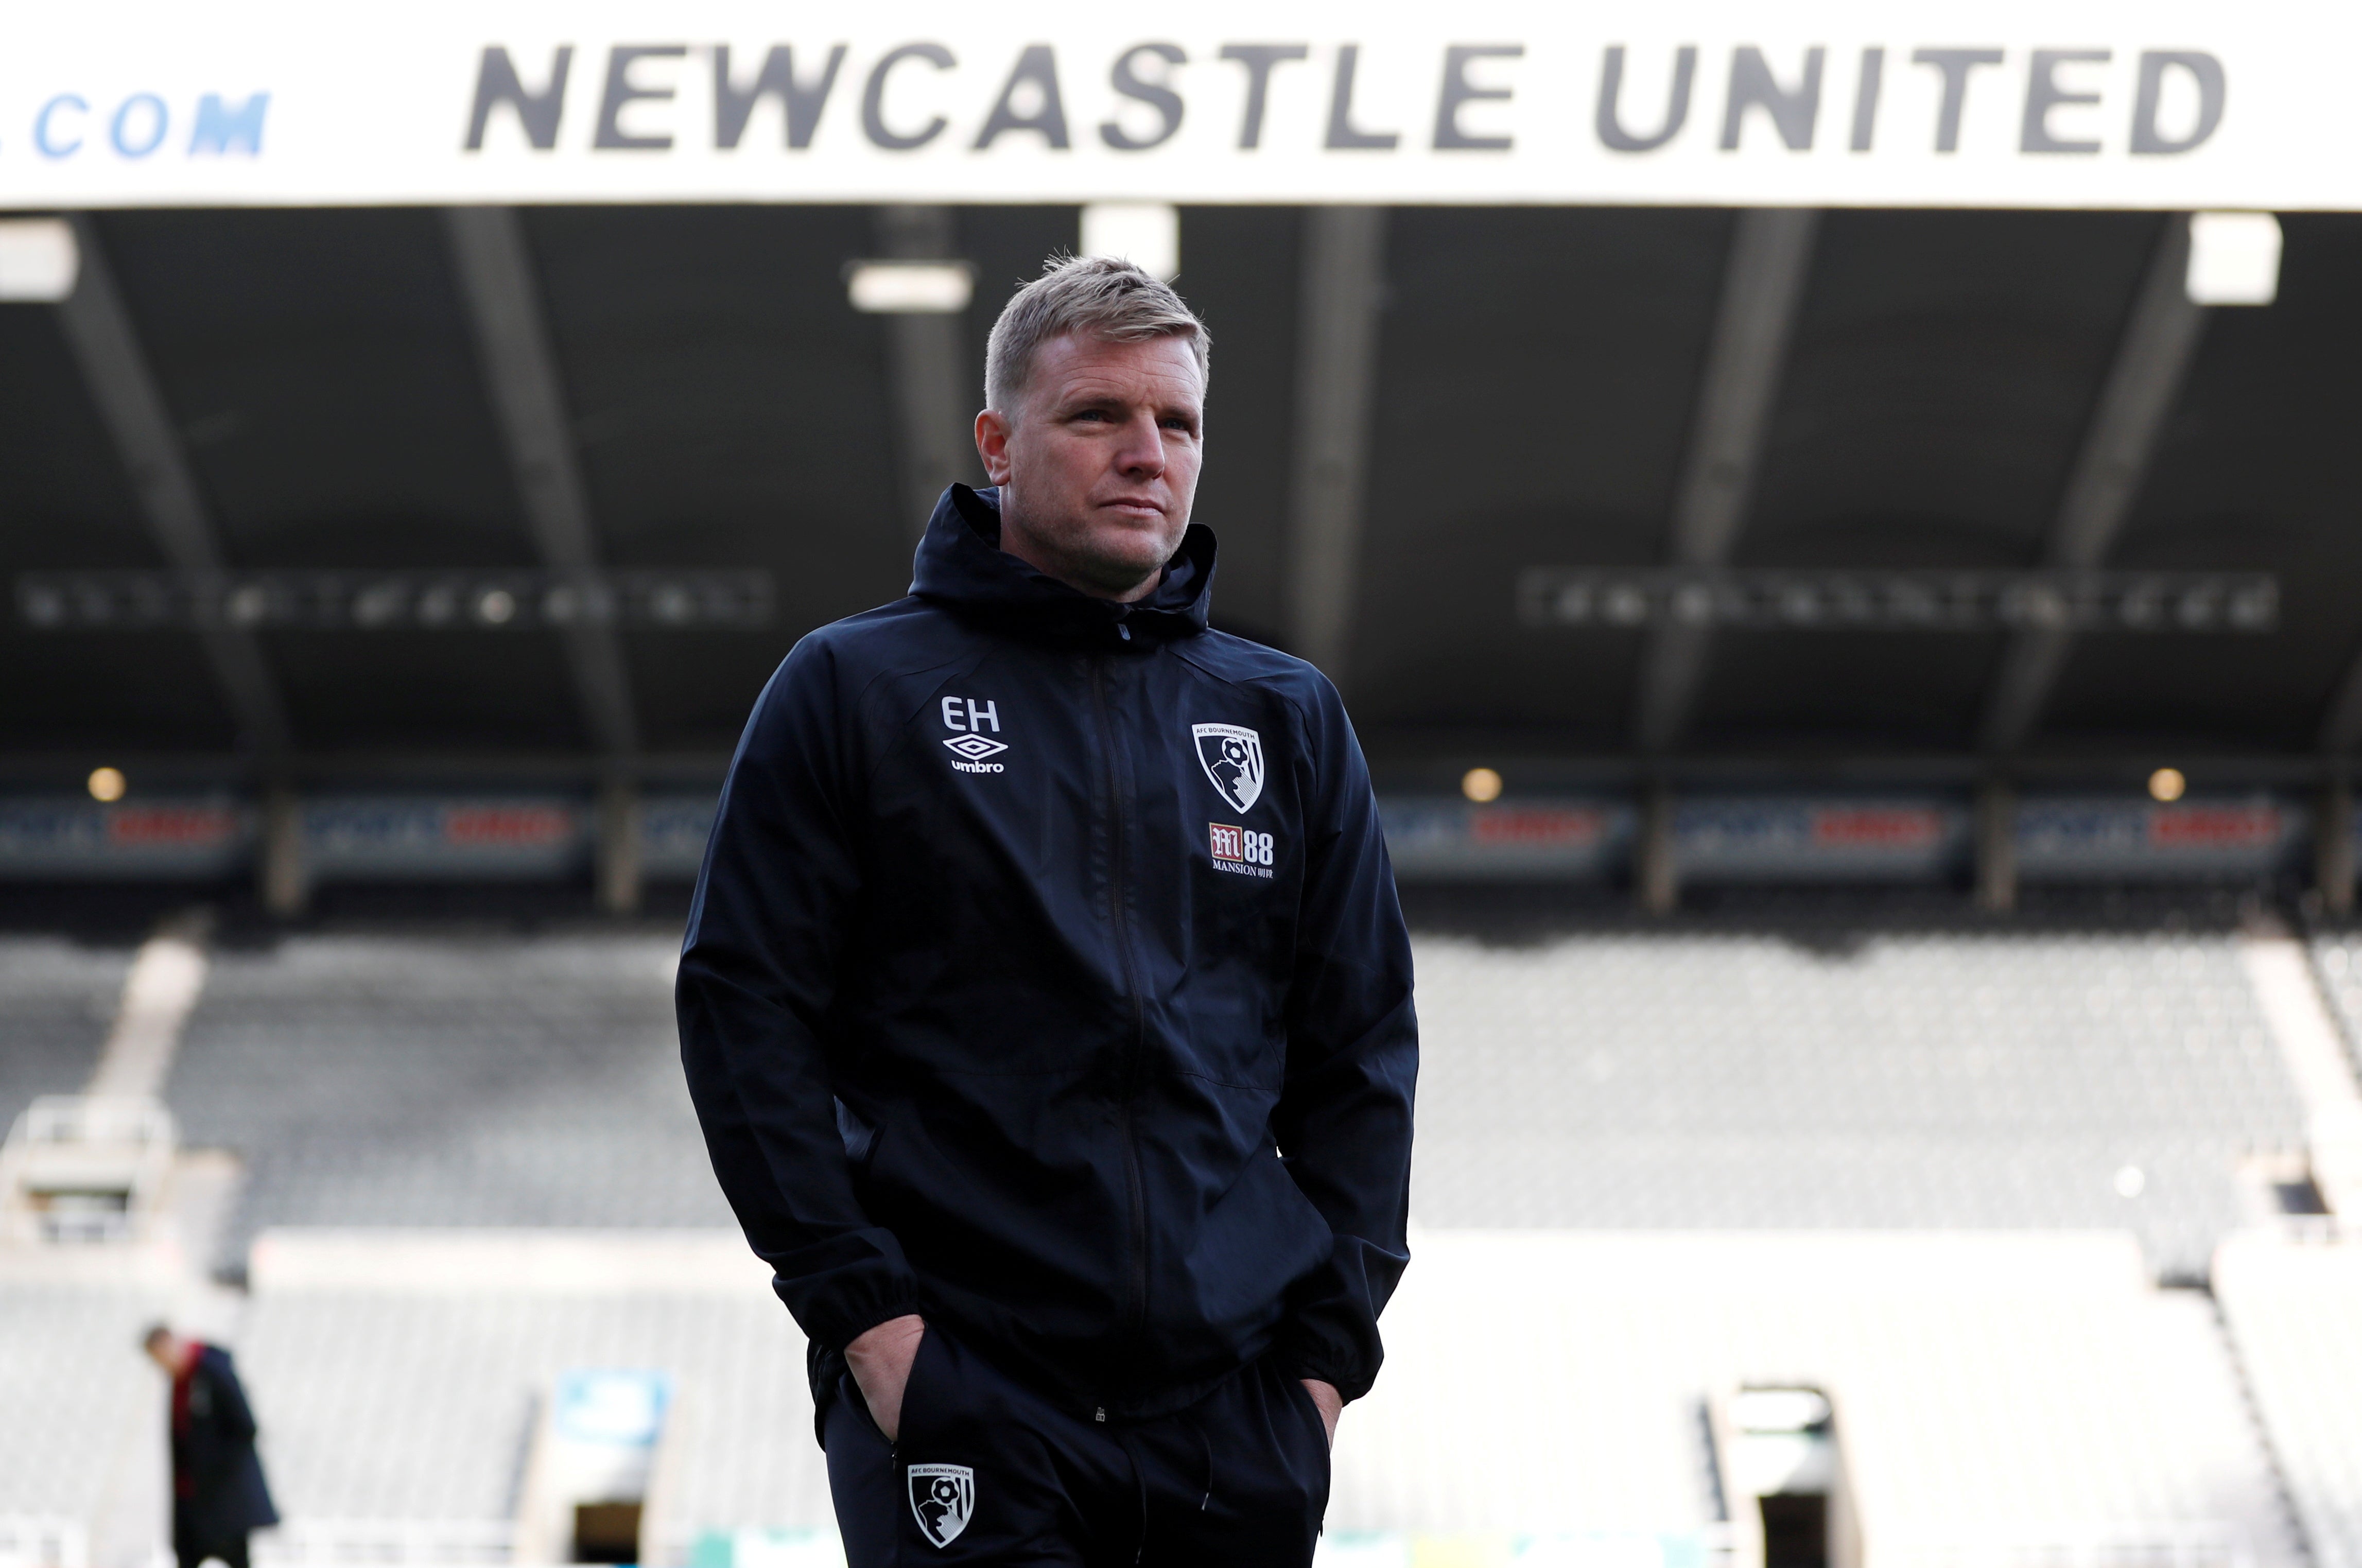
x,y
219,1494
1047,1005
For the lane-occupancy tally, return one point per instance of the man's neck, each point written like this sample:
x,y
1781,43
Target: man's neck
x,y
1015,541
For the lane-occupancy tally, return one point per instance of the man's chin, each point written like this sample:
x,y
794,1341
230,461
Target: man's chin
x,y
1110,558
1128,552
1113,576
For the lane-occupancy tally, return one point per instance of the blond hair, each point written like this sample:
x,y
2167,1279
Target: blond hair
x,y
1099,296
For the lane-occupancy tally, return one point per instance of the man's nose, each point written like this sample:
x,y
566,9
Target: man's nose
x,y
1143,452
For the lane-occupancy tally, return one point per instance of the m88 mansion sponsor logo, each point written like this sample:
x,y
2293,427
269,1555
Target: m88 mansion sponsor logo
x,y
1242,852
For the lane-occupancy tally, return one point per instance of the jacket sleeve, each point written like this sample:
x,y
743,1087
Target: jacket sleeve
x,y
1343,1122
757,973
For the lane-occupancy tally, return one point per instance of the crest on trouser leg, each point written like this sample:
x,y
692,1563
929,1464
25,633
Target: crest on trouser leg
x,y
942,1499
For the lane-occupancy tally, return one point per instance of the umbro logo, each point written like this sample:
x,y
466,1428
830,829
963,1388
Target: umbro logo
x,y
972,718
975,748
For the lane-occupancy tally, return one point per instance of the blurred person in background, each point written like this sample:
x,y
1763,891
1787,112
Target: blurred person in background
x,y
1047,1005
218,1493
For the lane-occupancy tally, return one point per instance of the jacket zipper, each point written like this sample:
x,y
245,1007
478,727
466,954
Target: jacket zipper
x,y
1135,1302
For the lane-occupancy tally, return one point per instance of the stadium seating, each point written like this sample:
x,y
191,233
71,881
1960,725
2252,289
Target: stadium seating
x,y
402,1402
2337,959
2295,1312
454,1080
2005,1399
1931,1165
1866,1068
78,1404
59,998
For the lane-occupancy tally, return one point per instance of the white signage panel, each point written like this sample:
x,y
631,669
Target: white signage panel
x,y
2067,102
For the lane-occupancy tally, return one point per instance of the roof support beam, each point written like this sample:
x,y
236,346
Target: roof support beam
x,y
496,278
1762,287
2341,725
2152,358
935,395
115,368
2332,847
1336,390
1996,847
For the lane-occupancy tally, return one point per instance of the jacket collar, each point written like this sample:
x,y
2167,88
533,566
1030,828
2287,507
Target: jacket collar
x,y
961,565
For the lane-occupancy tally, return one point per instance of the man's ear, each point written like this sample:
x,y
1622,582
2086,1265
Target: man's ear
x,y
992,446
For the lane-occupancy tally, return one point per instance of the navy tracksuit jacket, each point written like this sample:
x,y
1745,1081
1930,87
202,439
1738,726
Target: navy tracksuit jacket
x,y
1045,977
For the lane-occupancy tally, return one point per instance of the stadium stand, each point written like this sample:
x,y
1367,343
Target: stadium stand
x,y
1999,1399
1769,1082
60,996
2293,1306
443,1346
461,1079
2337,958
77,1407
2032,1397
1851,1062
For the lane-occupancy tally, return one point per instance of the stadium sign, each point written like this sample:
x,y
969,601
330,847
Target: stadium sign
x,y
1720,838
1539,840
2106,839
194,839
673,831
489,838
2067,104
1739,838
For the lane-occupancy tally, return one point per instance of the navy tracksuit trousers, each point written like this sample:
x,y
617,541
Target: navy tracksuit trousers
x,y
987,1472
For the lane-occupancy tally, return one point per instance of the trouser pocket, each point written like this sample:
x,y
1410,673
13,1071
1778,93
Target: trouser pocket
x,y
937,1489
979,1476
1317,1462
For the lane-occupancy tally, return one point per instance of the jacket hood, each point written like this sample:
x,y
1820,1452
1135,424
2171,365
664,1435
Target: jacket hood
x,y
961,565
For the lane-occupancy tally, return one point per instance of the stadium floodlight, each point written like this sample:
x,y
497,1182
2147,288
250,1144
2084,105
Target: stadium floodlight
x,y
2234,259
1147,234
909,288
39,260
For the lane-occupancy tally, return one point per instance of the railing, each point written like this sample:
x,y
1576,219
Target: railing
x,y
398,1543
2196,1545
79,1168
43,1540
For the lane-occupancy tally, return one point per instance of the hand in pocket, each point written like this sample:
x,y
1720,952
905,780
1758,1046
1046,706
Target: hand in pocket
x,y
1328,1402
880,1362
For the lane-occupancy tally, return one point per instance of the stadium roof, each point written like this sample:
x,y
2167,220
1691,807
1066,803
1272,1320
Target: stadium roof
x,y
1874,392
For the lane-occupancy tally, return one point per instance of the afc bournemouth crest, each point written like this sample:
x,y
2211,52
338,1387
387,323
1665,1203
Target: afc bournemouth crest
x,y
1233,757
944,1498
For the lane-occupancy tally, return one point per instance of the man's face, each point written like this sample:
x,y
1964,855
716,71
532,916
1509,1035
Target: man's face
x,y
1099,466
